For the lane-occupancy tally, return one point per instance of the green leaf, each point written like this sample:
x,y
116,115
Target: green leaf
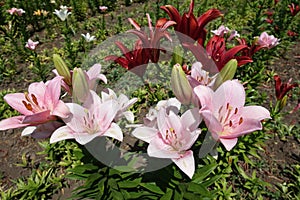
x,y
130,183
168,195
152,187
203,172
197,188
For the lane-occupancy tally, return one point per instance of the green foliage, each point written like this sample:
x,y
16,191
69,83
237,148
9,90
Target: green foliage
x,y
5,110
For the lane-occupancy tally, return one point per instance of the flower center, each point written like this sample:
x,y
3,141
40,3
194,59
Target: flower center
x,y
229,117
32,103
90,124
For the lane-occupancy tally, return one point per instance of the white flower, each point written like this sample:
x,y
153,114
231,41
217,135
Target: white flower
x,y
63,13
88,37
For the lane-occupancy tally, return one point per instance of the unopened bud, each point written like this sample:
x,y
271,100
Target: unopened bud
x,y
227,73
80,85
62,69
180,85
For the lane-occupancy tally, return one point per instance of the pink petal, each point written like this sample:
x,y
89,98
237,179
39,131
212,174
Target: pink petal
x,y
94,71
13,122
61,133
84,138
247,126
38,89
102,77
15,101
38,118
189,138
145,133
255,112
186,163
229,143
106,113
205,95
52,92
212,123
61,110
159,149
114,132
76,120
191,119
231,92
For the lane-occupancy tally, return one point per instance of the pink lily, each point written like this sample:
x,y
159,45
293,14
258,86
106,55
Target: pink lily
x,y
201,77
31,44
123,104
40,105
268,41
173,138
171,105
93,119
225,115
18,11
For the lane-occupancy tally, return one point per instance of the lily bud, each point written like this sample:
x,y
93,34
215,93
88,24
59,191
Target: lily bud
x,y
62,69
80,85
282,102
177,56
227,73
180,85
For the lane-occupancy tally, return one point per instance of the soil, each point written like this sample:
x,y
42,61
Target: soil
x,y
278,153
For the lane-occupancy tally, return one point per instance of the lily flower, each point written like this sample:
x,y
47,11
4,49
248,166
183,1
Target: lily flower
x,y
135,61
103,8
17,11
221,31
152,41
40,105
170,105
281,89
31,44
93,119
189,25
123,104
225,115
201,77
173,138
88,37
267,41
63,13
216,51
294,9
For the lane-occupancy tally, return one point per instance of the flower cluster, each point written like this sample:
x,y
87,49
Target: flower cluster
x,y
218,100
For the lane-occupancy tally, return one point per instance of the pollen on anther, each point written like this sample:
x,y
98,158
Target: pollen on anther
x,y
241,121
27,105
34,99
236,110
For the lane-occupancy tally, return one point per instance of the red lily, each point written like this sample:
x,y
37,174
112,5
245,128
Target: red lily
x,y
216,50
292,33
188,25
294,9
281,89
152,41
135,61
